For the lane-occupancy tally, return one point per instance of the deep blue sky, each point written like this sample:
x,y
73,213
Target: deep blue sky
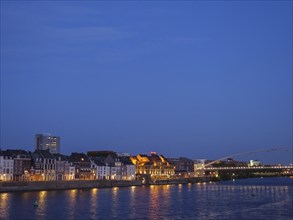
x,y
195,79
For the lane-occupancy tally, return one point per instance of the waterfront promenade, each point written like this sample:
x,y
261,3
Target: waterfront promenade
x,y
23,186
88,184
64,185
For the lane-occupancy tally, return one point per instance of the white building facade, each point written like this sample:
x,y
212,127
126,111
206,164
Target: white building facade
x,y
128,172
103,172
6,167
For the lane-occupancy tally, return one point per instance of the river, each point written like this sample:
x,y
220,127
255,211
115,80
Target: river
x,y
261,198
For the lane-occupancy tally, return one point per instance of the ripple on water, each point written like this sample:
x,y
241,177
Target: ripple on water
x,y
245,199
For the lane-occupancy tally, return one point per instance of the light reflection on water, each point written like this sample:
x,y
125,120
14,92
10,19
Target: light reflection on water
x,y
190,201
153,202
71,201
4,205
93,203
114,201
132,200
42,205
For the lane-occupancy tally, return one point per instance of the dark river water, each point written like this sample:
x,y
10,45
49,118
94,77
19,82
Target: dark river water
x,y
267,198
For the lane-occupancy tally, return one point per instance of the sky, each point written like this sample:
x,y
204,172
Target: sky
x,y
199,79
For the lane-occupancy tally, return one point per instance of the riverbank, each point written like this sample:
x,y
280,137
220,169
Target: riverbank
x,y
88,184
64,185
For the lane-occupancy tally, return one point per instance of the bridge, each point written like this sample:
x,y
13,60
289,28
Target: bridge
x,y
207,166
248,152
246,171
252,168
243,170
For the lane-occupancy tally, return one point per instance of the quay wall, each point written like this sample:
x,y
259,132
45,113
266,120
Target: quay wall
x,y
63,185
87,184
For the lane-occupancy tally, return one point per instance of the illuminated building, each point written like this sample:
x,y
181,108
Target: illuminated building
x,y
128,168
111,165
21,164
47,142
44,166
82,163
184,167
107,165
254,163
103,171
6,166
199,167
157,166
64,169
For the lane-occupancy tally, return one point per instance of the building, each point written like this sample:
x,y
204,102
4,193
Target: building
x,y
108,157
21,164
199,166
184,167
128,169
6,166
44,166
64,169
108,163
254,163
47,142
154,165
102,170
111,165
83,166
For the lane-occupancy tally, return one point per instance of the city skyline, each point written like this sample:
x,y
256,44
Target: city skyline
x,y
194,79
54,141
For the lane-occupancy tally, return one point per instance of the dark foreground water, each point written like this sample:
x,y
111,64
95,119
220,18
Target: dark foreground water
x,y
267,198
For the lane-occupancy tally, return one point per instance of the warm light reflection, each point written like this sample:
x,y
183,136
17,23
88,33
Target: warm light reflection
x,y
94,191
72,201
42,197
4,206
189,187
133,202
132,189
3,196
42,203
154,202
180,188
94,203
114,202
73,192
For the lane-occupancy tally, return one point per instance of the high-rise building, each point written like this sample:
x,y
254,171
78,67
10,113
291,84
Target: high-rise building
x,y
47,141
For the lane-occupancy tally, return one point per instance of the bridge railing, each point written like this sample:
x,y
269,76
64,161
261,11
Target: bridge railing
x,y
247,168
